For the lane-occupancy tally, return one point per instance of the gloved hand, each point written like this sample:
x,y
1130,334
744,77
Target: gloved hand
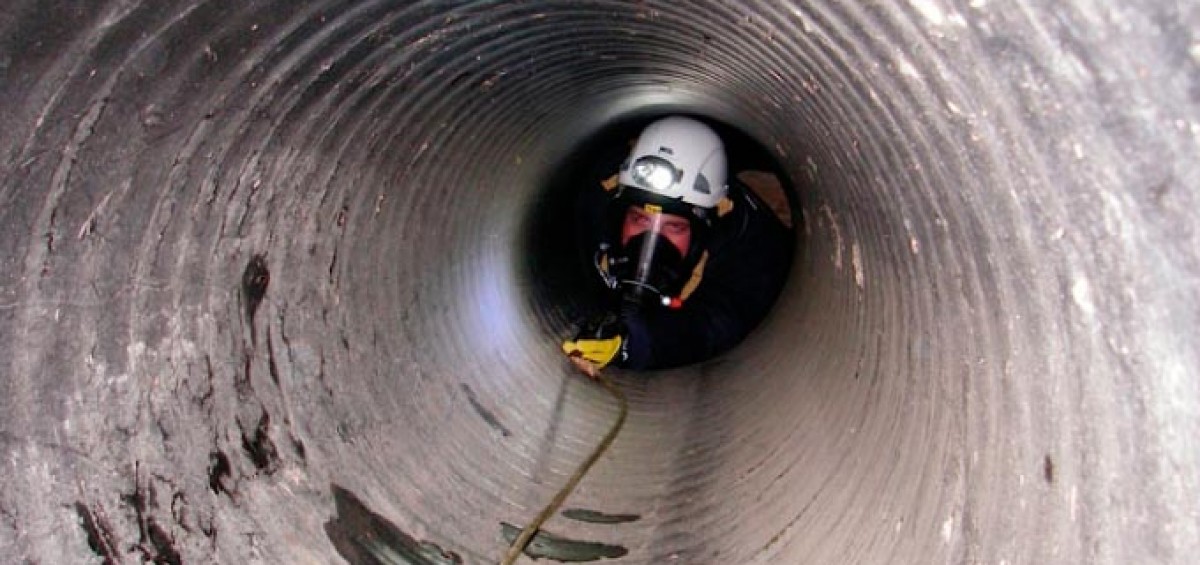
x,y
599,343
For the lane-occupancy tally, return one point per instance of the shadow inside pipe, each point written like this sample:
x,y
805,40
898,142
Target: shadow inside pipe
x,y
363,537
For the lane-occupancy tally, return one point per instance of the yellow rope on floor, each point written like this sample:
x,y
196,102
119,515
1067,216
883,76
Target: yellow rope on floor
x,y
527,534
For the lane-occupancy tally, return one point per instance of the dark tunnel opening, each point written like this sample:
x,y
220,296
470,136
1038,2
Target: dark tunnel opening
x,y
266,289
562,222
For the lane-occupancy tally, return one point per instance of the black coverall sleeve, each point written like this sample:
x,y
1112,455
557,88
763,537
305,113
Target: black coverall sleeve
x,y
741,281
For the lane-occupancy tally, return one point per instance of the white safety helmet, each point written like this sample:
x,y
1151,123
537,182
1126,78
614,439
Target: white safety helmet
x,y
677,168
680,159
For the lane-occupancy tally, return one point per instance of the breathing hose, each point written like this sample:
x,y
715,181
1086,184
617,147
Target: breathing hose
x,y
518,545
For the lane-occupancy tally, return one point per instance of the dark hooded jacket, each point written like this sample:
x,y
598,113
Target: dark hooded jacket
x,y
749,253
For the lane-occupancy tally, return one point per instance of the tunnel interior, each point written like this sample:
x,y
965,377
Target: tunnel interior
x,y
266,291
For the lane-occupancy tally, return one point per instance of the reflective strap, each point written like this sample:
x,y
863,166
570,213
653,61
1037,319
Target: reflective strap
x,y
697,274
725,206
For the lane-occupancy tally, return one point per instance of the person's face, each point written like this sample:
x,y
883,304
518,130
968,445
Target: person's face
x,y
677,229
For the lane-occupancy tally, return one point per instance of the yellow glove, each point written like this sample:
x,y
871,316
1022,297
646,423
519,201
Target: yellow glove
x,y
599,342
600,352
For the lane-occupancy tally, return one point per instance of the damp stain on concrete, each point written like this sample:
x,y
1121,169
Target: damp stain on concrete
x,y
487,415
564,550
595,517
363,537
255,279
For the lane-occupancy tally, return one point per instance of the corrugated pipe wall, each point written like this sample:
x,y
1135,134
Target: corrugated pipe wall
x,y
266,290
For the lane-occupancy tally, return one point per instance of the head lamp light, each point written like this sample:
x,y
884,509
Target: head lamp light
x,y
655,173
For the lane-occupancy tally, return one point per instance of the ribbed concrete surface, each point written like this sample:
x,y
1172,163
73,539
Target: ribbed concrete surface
x,y
986,352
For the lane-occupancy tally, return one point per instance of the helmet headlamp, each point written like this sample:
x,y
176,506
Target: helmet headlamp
x,y
655,173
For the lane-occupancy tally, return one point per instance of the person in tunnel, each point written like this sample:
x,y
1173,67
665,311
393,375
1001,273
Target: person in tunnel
x,y
691,259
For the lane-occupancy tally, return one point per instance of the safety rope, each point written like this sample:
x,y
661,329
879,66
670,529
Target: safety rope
x,y
527,534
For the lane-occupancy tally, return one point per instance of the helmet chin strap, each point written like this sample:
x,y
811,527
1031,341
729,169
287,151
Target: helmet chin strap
x,y
600,260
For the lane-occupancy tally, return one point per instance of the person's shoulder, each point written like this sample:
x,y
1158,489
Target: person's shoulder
x,y
754,229
745,210
761,193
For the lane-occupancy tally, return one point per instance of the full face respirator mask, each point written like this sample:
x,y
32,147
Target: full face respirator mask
x,y
647,268
651,256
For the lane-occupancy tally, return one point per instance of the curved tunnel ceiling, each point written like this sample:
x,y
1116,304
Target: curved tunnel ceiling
x,y
263,295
